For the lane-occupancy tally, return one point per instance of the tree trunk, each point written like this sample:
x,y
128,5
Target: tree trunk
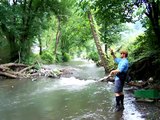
x,y
106,47
12,42
58,34
97,42
27,21
153,14
40,45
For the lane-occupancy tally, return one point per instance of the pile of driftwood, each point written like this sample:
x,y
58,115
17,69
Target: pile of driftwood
x,y
16,71
148,84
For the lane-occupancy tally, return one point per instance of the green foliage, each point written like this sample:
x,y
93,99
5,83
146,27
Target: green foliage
x,y
66,57
93,56
29,60
111,63
23,21
35,60
4,53
111,34
59,58
47,57
143,46
75,35
109,18
139,47
115,11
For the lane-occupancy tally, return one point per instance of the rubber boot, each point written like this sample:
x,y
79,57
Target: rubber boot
x,y
122,101
118,108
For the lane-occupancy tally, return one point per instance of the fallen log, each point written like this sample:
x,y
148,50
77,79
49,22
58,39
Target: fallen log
x,y
8,75
148,84
137,84
16,71
14,65
3,68
25,69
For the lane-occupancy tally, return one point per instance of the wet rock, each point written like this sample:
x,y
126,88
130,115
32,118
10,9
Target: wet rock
x,y
68,72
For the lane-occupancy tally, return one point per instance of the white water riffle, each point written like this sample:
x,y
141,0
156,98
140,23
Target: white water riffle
x,y
70,84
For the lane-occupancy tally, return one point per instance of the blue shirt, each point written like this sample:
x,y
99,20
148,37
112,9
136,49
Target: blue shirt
x,y
122,65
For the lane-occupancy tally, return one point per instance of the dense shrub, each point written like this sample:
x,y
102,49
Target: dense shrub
x,y
47,57
66,57
93,56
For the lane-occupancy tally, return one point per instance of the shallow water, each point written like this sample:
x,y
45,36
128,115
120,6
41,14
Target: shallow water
x,y
78,97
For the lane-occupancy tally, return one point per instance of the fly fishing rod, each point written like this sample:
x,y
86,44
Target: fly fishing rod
x,y
105,79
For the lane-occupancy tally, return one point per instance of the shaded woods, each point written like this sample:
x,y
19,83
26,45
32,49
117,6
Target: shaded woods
x,y
56,31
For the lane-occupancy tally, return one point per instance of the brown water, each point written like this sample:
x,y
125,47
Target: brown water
x,y
79,97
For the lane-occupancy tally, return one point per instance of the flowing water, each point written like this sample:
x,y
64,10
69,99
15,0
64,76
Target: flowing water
x,y
75,97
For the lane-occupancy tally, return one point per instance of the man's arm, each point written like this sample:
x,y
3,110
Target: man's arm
x,y
113,72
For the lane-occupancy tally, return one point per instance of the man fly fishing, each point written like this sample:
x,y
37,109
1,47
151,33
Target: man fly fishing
x,y
120,76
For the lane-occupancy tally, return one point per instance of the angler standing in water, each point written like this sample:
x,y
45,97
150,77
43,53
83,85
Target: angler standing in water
x,y
121,73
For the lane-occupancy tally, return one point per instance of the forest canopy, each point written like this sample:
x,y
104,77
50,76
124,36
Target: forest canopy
x,y
59,30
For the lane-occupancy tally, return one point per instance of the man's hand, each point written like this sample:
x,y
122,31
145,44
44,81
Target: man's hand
x,y
112,53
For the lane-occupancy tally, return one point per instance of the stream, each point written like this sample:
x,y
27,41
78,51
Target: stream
x,y
76,96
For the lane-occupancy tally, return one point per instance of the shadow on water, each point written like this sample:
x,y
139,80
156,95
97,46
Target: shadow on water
x,y
79,97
